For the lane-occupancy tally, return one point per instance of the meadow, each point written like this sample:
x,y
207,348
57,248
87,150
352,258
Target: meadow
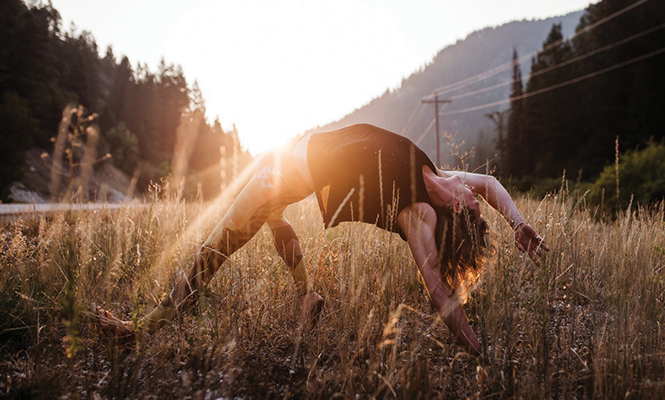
x,y
586,324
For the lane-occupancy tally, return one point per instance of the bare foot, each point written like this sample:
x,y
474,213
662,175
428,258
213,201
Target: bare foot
x,y
112,327
311,305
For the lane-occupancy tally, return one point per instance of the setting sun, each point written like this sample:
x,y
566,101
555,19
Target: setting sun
x,y
278,68
358,199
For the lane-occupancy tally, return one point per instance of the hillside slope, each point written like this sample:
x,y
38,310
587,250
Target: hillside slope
x,y
477,53
107,183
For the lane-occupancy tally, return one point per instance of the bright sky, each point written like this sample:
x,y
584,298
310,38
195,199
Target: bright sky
x,y
277,68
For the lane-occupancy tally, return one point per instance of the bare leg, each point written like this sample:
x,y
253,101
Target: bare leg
x,y
267,194
272,188
288,247
209,258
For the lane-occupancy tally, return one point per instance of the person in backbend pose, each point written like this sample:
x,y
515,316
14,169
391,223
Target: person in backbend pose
x,y
359,173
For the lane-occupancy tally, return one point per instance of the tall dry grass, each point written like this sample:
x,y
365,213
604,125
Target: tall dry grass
x,y
586,324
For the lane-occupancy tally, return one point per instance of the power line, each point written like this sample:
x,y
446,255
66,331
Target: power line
x,y
526,95
508,65
415,120
436,103
559,85
425,132
422,135
563,64
410,121
496,70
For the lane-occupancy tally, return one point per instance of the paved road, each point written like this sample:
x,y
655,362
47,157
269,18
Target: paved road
x,y
16,209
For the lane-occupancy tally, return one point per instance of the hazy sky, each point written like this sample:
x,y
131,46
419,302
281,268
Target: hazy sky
x,y
276,68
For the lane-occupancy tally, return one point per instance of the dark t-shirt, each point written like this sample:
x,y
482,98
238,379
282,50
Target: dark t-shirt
x,y
366,173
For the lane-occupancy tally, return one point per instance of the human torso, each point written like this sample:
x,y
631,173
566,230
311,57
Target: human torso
x,y
300,160
365,173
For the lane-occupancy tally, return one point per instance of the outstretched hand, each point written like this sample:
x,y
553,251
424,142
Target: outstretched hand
x,y
528,241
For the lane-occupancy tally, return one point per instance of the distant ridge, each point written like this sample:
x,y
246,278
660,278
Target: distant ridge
x,y
478,52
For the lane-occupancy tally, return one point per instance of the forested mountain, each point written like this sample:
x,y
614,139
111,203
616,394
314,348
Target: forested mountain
x,y
615,67
44,67
617,91
477,53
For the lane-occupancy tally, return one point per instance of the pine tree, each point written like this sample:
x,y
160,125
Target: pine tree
x,y
43,68
196,101
518,149
123,79
626,102
574,127
30,96
545,124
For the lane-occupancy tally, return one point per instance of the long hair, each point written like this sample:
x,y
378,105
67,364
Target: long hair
x,y
463,244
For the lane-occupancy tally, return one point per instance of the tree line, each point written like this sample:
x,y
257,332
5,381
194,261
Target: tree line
x,y
607,89
44,67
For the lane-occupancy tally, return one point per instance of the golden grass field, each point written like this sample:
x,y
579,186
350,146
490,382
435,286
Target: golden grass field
x,y
588,323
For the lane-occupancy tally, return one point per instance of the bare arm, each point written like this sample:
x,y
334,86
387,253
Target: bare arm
x,y
493,192
526,238
418,221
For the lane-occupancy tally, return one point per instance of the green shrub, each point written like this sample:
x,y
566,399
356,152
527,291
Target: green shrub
x,y
641,176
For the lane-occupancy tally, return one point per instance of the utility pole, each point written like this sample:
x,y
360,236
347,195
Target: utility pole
x,y
436,102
